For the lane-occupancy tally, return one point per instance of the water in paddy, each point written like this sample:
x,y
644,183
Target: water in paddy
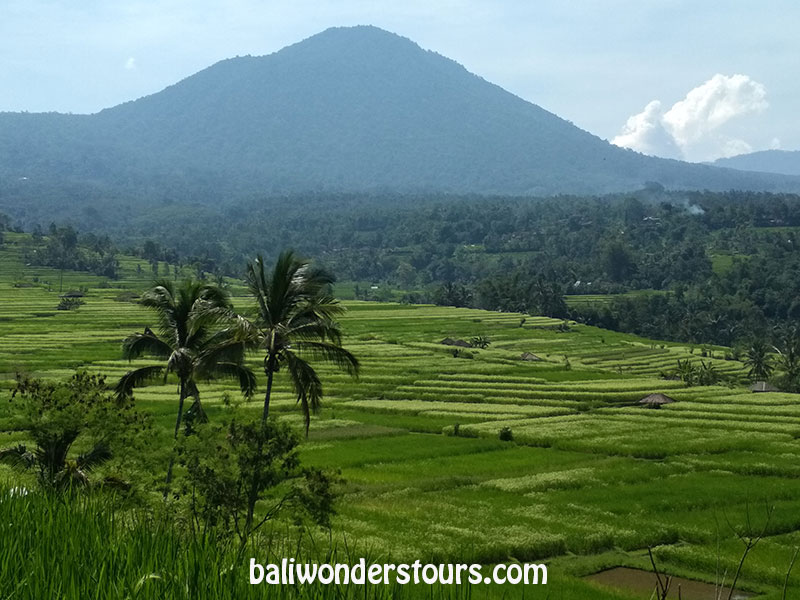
x,y
644,582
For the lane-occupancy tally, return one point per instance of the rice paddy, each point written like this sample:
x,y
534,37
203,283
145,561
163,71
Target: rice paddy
x,y
588,480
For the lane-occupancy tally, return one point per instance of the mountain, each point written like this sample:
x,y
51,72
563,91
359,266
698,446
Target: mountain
x,y
785,162
349,109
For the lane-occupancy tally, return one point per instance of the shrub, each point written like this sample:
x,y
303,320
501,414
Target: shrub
x,y
69,303
231,467
479,341
506,434
56,416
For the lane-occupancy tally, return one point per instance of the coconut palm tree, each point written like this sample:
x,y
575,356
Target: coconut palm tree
x,y
788,359
759,361
295,320
187,314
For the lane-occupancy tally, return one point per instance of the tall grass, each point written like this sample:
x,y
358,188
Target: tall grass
x,y
81,548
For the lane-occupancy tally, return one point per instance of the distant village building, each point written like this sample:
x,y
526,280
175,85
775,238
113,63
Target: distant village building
x,y
762,386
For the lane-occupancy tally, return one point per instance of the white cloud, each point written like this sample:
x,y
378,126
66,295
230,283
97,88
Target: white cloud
x,y
695,126
130,64
644,132
734,147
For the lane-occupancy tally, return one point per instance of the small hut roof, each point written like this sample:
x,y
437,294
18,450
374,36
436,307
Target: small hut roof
x,y
656,400
451,342
762,386
529,356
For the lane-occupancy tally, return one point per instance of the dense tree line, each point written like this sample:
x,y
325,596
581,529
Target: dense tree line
x,y
723,265
63,248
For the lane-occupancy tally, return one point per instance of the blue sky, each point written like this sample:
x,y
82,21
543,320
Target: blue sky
x,y
641,73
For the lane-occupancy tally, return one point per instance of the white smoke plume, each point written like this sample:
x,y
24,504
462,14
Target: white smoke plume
x,y
692,128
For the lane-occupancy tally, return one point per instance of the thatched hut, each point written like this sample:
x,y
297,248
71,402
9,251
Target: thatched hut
x,y
656,400
529,356
459,343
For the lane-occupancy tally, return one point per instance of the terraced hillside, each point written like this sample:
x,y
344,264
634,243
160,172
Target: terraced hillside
x,y
589,481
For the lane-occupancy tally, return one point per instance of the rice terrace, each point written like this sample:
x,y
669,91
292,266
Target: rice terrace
x,y
451,454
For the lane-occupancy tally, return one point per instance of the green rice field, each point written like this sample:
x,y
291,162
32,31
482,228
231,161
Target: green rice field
x,y
589,480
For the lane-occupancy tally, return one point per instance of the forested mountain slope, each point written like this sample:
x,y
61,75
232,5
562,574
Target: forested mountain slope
x,y
350,109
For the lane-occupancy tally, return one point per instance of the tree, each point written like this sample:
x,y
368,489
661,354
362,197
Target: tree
x,y
187,313
232,465
759,361
618,261
295,320
56,415
788,360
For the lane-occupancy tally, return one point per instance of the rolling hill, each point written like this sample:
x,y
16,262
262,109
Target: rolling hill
x,y
349,109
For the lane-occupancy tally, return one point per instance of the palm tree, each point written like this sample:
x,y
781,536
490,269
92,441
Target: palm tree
x,y
759,361
49,458
295,320
186,315
788,359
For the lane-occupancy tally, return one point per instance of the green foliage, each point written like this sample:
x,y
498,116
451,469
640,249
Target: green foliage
x,y
64,249
759,360
480,341
69,304
575,489
295,321
704,374
58,416
189,340
232,466
505,434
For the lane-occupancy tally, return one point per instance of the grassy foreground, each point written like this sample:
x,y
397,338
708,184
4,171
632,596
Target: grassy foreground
x,y
589,481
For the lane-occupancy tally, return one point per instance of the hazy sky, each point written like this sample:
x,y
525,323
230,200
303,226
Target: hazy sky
x,y
689,79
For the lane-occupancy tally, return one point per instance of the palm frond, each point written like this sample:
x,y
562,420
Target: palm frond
x,y
207,316
228,351
18,457
196,413
136,378
306,384
161,299
98,455
331,353
145,343
213,296
244,375
315,330
258,287
284,280
191,390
